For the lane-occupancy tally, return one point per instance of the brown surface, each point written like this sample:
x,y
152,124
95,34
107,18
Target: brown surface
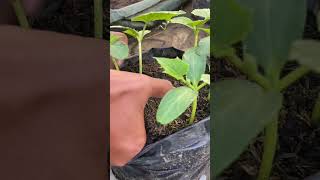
x,y
53,106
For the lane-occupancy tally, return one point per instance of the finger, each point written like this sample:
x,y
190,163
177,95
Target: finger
x,y
159,87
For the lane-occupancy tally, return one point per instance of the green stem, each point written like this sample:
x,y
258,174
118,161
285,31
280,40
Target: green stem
x,y
98,19
196,37
115,64
194,109
269,149
261,80
201,86
20,13
293,76
140,56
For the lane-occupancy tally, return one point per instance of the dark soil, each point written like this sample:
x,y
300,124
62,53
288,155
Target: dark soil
x,y
155,130
117,4
298,151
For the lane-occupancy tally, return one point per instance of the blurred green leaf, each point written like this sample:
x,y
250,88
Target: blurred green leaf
x,y
113,38
205,78
119,50
157,16
307,52
231,25
241,110
174,103
205,13
197,64
204,46
174,67
275,28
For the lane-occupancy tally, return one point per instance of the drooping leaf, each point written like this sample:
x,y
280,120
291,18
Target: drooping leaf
x,y
119,50
204,46
174,67
231,25
197,64
274,30
241,110
157,16
307,52
205,13
174,103
205,78
188,22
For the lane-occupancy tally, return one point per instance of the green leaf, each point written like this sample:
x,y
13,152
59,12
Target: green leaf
x,y
205,13
197,64
157,16
241,110
275,28
307,52
113,39
204,46
174,103
205,78
119,50
132,32
231,25
173,67
206,30
188,22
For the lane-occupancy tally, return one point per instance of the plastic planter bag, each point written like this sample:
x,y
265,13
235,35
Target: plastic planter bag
x,y
184,155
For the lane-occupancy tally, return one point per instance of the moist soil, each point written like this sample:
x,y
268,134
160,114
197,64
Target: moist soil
x,y
298,150
156,131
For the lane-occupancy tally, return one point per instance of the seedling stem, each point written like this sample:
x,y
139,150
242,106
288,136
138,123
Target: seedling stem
x,y
194,109
20,13
115,64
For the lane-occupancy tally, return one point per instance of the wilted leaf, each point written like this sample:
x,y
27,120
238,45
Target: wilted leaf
x,y
173,67
307,52
157,16
205,13
174,103
241,109
197,64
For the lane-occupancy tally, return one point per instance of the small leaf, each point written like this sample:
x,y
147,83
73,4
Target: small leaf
x,y
231,25
157,16
188,22
205,13
119,50
173,67
204,46
174,103
307,52
241,110
132,32
197,64
205,78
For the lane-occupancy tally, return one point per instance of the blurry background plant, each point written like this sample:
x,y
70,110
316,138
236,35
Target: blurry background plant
x,y
119,50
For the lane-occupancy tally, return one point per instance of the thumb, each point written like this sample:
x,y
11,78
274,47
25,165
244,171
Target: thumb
x,y
159,87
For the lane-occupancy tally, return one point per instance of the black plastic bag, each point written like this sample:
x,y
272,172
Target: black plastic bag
x,y
184,155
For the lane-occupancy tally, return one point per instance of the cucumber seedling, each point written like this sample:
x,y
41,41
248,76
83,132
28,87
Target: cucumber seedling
x,y
118,50
146,19
197,25
190,70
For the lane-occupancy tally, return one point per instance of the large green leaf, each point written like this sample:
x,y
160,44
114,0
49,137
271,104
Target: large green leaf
x,y
197,64
205,13
174,103
276,25
240,109
173,67
231,25
204,46
307,52
119,50
157,16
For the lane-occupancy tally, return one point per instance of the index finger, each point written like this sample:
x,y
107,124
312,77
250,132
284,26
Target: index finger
x,y
159,87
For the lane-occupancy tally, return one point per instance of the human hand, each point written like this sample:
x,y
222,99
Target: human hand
x,y
129,93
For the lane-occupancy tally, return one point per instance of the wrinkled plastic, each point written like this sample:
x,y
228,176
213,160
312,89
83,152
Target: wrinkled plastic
x,y
184,155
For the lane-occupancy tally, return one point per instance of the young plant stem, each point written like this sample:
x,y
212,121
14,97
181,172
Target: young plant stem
x,y
98,19
196,37
140,56
269,149
194,109
115,64
20,13
293,76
